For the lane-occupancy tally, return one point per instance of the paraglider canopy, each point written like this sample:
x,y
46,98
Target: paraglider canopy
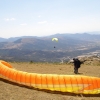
x,y
55,39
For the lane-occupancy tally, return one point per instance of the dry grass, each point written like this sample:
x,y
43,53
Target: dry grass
x,y
13,91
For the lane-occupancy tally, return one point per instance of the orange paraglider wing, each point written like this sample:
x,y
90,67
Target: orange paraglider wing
x,y
64,83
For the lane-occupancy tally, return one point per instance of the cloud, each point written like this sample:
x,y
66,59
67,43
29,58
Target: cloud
x,y
24,24
12,19
39,16
9,19
43,22
6,19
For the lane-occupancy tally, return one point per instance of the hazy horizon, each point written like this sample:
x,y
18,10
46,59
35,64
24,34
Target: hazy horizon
x,y
92,33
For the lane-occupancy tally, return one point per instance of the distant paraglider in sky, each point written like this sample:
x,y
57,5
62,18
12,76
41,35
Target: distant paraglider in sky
x,y
55,40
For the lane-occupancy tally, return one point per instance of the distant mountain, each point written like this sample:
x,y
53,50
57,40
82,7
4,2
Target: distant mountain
x,y
12,39
94,32
3,39
82,36
42,48
44,43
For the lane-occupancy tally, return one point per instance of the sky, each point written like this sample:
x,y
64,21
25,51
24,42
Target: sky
x,y
47,17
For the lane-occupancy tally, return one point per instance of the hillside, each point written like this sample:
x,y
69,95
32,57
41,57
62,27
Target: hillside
x,y
41,49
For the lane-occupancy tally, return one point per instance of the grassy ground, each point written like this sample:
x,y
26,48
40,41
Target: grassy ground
x,y
13,91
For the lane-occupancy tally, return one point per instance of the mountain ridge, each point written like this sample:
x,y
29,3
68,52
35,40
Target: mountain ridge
x,y
75,35
42,48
